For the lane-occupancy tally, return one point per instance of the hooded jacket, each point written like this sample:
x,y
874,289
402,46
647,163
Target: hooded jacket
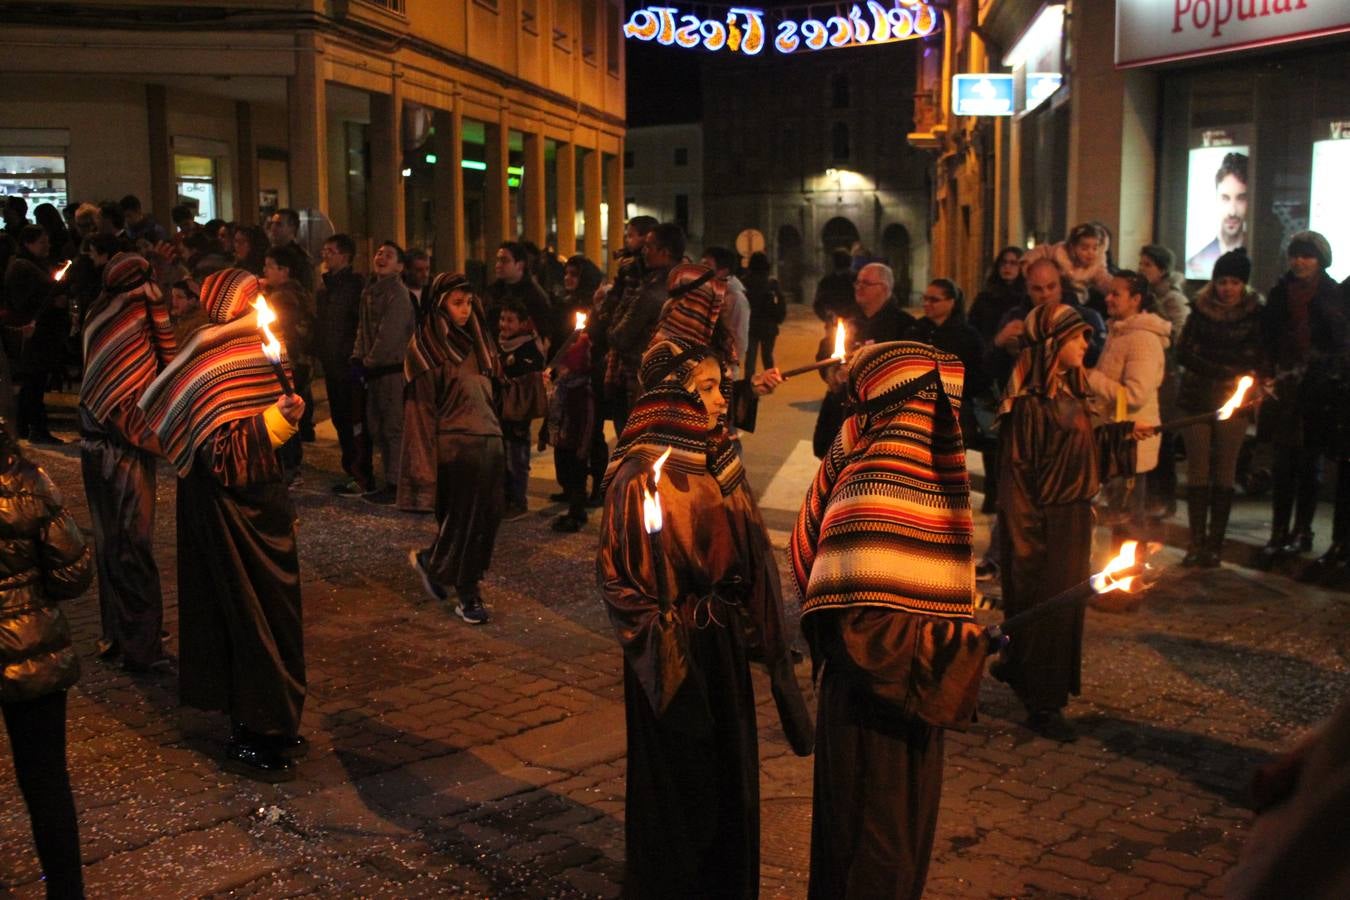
x,y
1218,344
43,559
1133,362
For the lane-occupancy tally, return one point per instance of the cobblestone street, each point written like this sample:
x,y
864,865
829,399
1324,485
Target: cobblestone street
x,y
489,761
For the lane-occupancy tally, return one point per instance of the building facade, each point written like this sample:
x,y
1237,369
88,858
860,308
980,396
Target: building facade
x,y
804,155
1198,126
449,124
663,177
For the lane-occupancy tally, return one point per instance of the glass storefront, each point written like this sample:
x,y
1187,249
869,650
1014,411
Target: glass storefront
x,y
1253,150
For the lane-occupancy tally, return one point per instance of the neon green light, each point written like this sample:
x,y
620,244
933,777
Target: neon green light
x,y
474,164
431,159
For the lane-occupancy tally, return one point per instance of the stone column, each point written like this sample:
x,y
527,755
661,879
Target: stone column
x,y
536,212
385,204
246,171
163,193
618,213
590,189
567,198
307,108
497,206
448,188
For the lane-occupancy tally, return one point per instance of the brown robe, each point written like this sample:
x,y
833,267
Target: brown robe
x,y
241,637
692,802
417,466
1052,464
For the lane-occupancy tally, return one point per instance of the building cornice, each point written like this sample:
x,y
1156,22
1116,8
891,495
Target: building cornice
x,y
360,33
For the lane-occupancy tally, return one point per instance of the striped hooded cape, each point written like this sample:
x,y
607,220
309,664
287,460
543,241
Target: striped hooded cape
x,y
220,375
669,413
438,340
128,338
1048,329
887,521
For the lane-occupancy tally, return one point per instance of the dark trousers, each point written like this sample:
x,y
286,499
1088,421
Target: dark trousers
x,y
517,466
37,738
765,347
346,409
1296,478
572,472
304,386
119,482
32,411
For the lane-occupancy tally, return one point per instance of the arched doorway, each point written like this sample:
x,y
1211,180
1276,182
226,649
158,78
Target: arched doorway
x,y
838,234
790,262
895,247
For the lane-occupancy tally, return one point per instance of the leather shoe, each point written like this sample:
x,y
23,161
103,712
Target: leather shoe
x,y
1050,723
257,761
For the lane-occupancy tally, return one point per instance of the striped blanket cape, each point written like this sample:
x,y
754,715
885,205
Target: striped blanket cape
x,y
220,376
127,337
887,521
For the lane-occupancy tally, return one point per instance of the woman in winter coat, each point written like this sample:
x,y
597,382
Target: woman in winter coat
x,y
1130,370
1156,263
1221,341
45,560
1305,330
944,326
1003,291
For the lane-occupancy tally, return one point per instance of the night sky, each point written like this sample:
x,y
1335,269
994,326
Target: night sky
x,y
663,82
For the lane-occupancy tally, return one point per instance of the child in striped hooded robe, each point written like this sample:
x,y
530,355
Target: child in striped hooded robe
x,y
881,554
217,416
128,339
692,801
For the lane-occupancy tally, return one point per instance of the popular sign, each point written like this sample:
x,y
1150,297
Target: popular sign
x,y
748,31
1152,31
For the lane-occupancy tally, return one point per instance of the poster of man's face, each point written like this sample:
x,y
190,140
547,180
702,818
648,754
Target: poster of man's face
x,y
1216,206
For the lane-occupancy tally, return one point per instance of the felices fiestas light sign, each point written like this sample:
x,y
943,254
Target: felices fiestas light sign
x,y
748,31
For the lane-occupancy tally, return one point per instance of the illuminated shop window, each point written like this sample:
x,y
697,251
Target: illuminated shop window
x,y
37,177
197,185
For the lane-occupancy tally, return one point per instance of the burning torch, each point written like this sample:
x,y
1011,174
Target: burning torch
x,y
271,347
834,359
1222,414
1119,575
571,339
651,523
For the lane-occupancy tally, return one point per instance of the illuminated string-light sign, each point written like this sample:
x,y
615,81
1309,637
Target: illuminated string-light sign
x,y
748,31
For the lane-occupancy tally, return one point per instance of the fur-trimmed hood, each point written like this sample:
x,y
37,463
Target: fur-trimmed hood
x,y
1207,304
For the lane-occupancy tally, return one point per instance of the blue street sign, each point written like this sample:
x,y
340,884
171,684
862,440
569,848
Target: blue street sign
x,y
982,95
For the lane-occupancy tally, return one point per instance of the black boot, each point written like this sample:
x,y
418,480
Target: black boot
x,y
1282,507
1197,509
1220,505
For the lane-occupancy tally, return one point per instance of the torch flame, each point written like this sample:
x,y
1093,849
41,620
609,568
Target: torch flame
x,y
1234,402
651,499
271,347
61,272
1104,581
840,341
581,320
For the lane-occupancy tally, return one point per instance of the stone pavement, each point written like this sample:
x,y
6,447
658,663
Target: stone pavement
x,y
456,761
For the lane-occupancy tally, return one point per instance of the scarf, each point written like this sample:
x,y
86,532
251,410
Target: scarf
x,y
1047,330
128,338
695,302
220,375
887,521
438,340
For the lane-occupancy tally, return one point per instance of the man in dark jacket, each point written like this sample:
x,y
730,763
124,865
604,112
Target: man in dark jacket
x,y
879,319
338,303
634,321
514,282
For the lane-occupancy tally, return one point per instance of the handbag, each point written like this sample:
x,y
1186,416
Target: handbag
x,y
525,398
